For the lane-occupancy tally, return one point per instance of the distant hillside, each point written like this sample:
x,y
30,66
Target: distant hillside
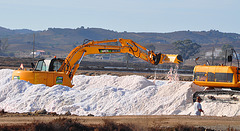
x,y
62,40
6,33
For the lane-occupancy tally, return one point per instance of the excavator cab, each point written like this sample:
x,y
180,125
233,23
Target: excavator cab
x,y
45,72
216,76
48,64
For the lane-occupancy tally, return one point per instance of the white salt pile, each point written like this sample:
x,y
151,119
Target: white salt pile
x,y
106,95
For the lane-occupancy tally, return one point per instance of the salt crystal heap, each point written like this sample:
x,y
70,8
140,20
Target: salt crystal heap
x,y
106,95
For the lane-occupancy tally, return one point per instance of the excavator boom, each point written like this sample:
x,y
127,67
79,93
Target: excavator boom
x,y
127,46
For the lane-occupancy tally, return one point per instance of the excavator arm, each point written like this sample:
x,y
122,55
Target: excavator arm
x,y
72,61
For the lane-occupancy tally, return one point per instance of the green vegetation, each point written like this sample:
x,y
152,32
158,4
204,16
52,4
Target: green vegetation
x,y
3,45
3,48
187,48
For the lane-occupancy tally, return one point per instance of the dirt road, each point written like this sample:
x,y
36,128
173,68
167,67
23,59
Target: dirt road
x,y
141,122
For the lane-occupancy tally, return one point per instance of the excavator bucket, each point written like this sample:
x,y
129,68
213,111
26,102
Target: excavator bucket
x,y
171,58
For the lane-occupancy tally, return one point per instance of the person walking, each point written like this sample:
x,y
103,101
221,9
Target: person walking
x,y
198,106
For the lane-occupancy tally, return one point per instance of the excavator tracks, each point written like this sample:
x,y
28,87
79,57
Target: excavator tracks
x,y
225,96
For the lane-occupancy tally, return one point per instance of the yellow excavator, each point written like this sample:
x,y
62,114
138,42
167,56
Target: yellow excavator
x,y
61,71
221,82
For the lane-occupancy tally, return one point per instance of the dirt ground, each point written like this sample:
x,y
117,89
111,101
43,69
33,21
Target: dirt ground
x,y
139,122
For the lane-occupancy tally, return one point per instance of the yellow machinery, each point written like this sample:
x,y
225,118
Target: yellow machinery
x,y
58,71
216,76
221,82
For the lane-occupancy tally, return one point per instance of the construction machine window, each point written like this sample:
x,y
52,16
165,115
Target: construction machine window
x,y
55,64
210,76
217,77
223,77
229,77
200,76
41,66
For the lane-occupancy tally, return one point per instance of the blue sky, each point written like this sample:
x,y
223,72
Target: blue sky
x,y
123,15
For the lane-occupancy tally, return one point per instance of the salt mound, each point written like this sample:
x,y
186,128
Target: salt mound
x,y
106,96
125,82
5,76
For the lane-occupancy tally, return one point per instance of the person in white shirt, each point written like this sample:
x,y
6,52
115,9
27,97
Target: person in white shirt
x,y
198,106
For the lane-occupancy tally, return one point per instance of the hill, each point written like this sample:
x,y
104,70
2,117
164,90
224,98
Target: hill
x,y
63,40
